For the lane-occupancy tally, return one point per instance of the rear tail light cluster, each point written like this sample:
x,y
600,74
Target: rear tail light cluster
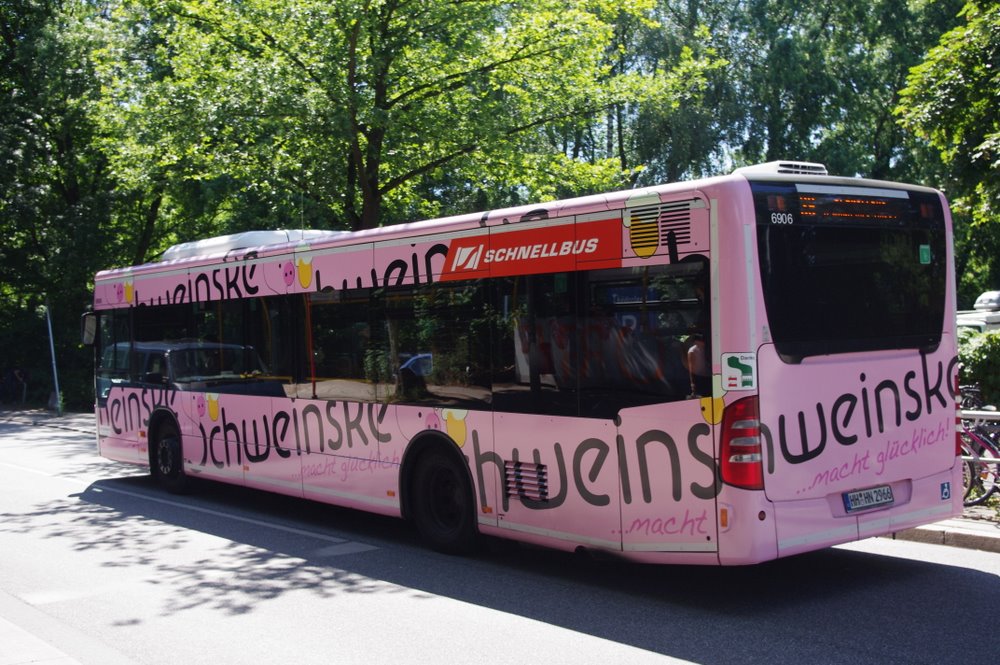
x,y
741,453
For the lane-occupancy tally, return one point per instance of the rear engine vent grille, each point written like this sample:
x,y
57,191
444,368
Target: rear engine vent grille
x,y
662,225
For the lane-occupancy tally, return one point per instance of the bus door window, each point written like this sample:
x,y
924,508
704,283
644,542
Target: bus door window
x,y
221,322
697,355
536,353
276,339
645,336
155,370
162,323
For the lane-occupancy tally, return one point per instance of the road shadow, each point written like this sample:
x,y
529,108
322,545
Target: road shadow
x,y
830,606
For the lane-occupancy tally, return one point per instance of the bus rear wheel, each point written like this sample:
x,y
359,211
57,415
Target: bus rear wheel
x,y
168,464
442,506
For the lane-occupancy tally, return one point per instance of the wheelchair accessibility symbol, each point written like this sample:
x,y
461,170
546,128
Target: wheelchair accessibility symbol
x,y
945,491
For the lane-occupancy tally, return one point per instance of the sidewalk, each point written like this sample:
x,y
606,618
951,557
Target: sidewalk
x,y
19,646
81,422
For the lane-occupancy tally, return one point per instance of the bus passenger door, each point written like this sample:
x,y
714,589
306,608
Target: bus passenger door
x,y
554,449
669,478
559,479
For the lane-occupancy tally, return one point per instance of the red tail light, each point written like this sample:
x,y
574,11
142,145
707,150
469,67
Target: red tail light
x,y
741,454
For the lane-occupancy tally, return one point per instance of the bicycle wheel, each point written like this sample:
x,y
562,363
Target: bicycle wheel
x,y
971,397
968,480
981,471
971,485
989,472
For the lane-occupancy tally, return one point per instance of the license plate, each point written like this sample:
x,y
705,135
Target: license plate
x,y
873,497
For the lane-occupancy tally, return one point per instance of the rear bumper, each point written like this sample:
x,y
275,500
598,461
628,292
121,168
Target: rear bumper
x,y
812,524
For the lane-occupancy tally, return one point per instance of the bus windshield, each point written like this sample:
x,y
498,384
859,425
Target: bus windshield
x,y
850,269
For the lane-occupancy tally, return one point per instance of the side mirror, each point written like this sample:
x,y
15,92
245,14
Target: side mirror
x,y
88,328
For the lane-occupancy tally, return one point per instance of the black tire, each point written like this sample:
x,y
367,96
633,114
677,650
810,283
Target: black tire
x,y
990,476
168,463
969,488
441,505
979,476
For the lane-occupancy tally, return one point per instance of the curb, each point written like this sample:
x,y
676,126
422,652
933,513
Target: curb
x,y
973,534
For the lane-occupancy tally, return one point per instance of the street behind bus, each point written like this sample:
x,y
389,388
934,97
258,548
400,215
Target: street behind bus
x,y
102,566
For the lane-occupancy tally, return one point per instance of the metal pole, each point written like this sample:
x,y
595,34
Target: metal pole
x,y
52,349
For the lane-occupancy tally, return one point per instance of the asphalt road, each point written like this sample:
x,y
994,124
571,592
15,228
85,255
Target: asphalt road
x,y
107,568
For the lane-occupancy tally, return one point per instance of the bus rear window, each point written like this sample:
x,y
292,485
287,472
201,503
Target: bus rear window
x,y
850,269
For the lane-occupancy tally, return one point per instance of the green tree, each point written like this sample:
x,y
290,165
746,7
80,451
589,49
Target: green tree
x,y
147,124
54,186
771,79
354,106
952,101
819,81
871,48
680,127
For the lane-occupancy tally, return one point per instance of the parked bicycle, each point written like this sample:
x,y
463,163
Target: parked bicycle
x,y
980,436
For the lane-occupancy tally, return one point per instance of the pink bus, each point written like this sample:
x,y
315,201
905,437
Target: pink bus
x,y
722,371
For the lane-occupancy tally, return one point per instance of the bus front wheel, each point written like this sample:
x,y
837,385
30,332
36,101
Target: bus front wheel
x,y
442,506
168,466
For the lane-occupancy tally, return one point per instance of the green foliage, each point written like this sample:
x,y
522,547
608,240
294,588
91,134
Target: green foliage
x,y
951,97
54,192
352,106
128,125
979,354
951,102
782,79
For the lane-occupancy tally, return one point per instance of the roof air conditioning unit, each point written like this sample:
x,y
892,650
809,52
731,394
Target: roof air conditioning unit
x,y
785,167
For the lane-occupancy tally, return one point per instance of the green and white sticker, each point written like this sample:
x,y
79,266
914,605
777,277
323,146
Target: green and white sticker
x,y
739,371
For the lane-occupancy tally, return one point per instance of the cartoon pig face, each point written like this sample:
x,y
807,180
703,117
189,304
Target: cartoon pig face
x,y
288,272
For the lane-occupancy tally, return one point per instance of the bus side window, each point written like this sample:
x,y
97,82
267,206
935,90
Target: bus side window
x,y
156,369
432,342
113,347
340,366
536,348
